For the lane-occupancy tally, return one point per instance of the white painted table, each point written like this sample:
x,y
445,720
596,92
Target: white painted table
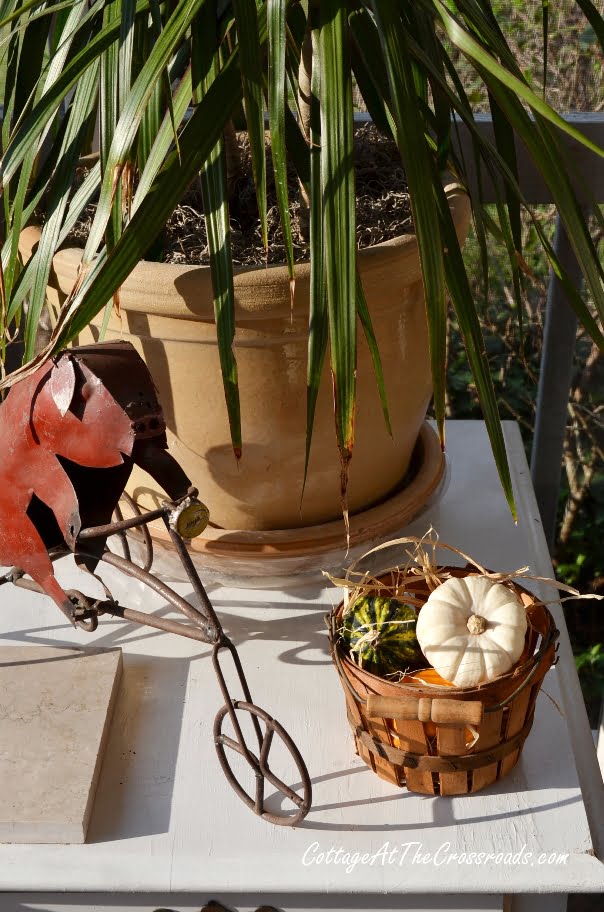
x,y
168,831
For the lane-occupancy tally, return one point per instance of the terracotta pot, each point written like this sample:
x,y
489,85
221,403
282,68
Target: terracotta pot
x,y
167,313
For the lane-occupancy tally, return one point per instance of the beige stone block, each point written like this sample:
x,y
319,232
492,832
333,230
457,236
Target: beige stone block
x,y
55,711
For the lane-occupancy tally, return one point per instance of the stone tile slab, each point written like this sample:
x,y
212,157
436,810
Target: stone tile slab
x,y
55,711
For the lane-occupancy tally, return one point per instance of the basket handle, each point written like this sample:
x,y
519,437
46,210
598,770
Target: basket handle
x,y
446,711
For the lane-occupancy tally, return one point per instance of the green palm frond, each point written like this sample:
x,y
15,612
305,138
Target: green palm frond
x,y
162,81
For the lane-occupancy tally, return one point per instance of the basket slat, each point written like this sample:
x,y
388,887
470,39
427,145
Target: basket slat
x,y
379,729
368,758
516,719
412,737
353,710
451,741
356,719
490,736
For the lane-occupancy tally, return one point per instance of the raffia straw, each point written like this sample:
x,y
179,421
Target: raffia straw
x,y
551,699
420,565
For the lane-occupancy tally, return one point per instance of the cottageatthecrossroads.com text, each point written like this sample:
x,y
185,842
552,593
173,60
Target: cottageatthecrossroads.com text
x,y
406,853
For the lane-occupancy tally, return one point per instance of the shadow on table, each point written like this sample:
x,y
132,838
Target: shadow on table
x,y
303,633
134,794
443,817
300,632
441,809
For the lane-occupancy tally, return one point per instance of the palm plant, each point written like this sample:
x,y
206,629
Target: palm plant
x,y
162,79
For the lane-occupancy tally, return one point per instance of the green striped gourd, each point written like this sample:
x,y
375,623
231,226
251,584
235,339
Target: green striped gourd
x,y
379,634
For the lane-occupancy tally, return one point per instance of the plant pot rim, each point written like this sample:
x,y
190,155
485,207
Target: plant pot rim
x,y
185,290
323,539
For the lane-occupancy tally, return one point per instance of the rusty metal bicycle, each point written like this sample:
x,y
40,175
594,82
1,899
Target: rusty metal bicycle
x,y
92,403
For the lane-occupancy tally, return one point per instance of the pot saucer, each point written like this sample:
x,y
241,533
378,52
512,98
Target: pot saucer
x,y
276,559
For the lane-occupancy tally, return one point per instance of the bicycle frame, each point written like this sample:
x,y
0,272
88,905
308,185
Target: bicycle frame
x,y
203,625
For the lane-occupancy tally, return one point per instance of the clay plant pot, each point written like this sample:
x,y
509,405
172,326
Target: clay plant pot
x,y
167,313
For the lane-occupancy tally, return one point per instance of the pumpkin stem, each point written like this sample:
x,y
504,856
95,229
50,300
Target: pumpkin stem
x,y
476,624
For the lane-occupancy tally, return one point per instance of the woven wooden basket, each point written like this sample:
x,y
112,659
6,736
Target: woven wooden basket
x,y
445,740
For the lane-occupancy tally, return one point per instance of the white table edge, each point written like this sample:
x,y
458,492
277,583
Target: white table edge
x,y
586,759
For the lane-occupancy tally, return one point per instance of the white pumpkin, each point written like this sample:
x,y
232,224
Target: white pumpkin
x,y
472,630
